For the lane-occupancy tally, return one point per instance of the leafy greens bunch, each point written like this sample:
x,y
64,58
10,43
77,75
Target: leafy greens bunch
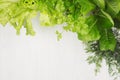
x,y
92,20
18,14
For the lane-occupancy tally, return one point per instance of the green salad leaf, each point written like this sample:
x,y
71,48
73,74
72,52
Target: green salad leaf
x,y
100,3
105,19
90,32
107,40
113,6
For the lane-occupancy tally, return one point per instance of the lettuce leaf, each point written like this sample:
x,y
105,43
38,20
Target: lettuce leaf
x,y
100,3
107,40
91,32
86,6
113,7
104,19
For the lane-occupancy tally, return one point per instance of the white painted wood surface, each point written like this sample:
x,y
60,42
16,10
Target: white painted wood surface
x,y
42,57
